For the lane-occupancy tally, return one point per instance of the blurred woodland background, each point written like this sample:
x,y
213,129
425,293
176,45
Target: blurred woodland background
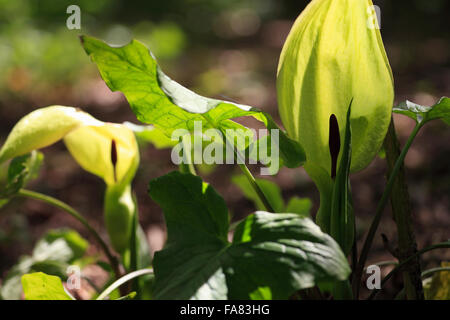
x,y
218,48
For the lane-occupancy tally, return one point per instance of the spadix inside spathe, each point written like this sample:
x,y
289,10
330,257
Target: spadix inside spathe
x,y
331,57
109,151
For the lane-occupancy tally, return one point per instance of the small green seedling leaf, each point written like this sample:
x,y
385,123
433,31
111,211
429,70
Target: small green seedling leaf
x,y
158,100
423,114
272,254
41,286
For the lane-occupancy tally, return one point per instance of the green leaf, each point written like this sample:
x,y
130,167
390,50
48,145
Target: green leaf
x,y
21,170
152,135
291,152
169,106
283,243
40,286
301,206
195,199
271,256
55,268
52,254
156,99
418,113
269,188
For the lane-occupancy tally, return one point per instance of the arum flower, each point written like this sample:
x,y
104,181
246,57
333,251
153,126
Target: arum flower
x,y
43,127
107,150
331,58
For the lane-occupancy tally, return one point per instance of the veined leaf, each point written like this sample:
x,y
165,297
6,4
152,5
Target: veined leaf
x,y
276,253
418,113
156,99
40,286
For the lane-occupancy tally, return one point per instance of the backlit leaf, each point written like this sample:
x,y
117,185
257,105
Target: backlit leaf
x,y
156,99
40,286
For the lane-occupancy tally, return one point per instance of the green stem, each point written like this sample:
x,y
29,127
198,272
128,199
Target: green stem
x,y
379,210
255,186
123,280
441,245
188,167
74,213
241,162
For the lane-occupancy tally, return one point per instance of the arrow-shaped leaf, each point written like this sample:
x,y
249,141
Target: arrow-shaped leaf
x,y
156,99
274,254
